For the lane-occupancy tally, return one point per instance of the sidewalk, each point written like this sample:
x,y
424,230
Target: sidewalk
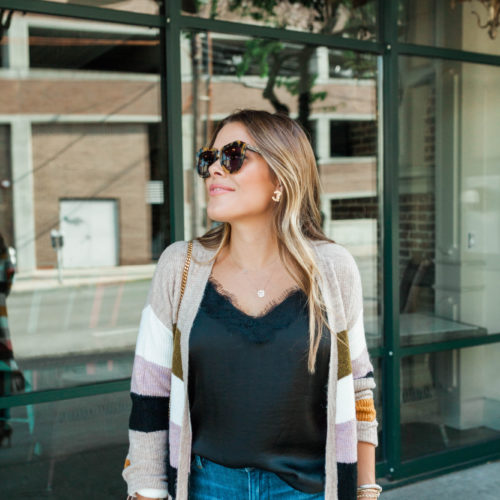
x,y
481,482
47,279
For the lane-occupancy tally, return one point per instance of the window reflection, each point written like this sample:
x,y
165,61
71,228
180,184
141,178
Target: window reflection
x,y
347,18
449,192
447,400
336,106
140,6
57,445
458,24
82,192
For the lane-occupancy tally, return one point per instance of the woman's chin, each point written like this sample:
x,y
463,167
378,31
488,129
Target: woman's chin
x,y
217,216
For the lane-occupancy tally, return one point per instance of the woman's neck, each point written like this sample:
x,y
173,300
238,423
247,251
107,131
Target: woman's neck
x,y
252,248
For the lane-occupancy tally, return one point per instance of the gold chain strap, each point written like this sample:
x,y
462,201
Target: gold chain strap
x,y
185,275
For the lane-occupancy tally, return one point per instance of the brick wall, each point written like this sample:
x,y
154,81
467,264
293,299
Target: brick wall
x,y
364,138
93,161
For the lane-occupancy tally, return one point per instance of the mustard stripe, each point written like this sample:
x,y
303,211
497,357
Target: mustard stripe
x,y
365,410
344,357
176,357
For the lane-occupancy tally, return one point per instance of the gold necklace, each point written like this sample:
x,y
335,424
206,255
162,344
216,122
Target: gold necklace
x,y
261,292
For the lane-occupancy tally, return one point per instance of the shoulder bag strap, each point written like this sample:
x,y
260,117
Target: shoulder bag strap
x,y
185,276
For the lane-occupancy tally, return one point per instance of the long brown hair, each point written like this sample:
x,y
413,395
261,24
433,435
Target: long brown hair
x,y
297,218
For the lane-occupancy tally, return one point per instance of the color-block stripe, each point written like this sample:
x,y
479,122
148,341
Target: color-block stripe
x,y
345,435
361,365
344,363
3,311
345,408
357,341
177,403
150,379
363,393
149,413
174,444
365,410
155,340
147,463
347,479
176,358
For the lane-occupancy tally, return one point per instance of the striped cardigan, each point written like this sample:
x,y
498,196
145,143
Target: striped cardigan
x,y
159,457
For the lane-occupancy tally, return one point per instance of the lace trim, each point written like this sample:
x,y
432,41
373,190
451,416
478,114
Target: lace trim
x,y
279,314
273,304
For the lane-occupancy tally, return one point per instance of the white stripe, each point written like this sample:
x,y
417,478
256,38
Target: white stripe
x,y
357,341
346,407
177,400
152,493
155,340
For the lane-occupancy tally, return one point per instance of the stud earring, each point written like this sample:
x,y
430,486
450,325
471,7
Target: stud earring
x,y
277,196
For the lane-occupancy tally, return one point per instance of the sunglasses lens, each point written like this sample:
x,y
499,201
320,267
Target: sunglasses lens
x,y
232,156
205,158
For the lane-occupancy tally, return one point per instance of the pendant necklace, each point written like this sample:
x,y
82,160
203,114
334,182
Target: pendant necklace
x,y
261,292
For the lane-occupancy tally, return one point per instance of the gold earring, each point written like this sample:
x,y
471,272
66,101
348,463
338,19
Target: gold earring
x,y
277,196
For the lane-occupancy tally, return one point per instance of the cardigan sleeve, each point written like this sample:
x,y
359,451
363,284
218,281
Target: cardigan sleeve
x,y
145,465
362,368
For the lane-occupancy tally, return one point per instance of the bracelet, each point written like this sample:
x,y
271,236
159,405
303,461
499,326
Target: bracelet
x,y
373,486
369,491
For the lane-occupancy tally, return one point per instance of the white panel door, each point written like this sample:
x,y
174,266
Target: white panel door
x,y
90,230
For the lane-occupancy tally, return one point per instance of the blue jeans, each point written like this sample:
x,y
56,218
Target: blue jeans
x,y
211,481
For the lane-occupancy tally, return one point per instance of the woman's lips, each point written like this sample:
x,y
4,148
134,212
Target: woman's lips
x,y
217,189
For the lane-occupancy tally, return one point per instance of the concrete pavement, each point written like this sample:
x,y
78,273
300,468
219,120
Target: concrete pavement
x,y
481,482
47,279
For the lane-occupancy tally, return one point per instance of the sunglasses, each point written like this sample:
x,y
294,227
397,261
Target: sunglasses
x,y
231,157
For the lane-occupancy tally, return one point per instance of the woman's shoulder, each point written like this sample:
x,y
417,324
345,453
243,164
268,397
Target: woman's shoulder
x,y
173,251
175,254
334,253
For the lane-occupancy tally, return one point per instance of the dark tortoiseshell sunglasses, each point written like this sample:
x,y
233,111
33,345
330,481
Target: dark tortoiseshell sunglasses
x,y
231,157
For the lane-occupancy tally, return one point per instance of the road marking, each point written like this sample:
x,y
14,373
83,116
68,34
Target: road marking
x,y
69,308
106,333
96,306
34,312
116,307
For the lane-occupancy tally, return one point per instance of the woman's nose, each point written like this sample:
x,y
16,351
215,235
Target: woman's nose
x,y
216,169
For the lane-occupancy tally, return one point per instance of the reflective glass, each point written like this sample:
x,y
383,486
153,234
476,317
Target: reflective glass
x,y
345,18
377,397
139,6
66,449
82,206
449,400
449,203
333,94
455,24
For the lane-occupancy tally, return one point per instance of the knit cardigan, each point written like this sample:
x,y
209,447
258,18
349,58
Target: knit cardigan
x,y
159,457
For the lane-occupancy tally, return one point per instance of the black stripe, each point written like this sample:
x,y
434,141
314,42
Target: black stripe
x,y
347,481
149,413
171,480
369,374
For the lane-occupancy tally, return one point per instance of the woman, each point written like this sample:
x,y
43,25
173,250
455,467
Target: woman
x,y
11,380
267,374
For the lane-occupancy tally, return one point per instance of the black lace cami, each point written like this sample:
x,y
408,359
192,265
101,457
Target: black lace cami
x,y
253,402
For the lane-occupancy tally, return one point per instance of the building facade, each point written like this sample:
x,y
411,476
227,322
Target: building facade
x,y
103,104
